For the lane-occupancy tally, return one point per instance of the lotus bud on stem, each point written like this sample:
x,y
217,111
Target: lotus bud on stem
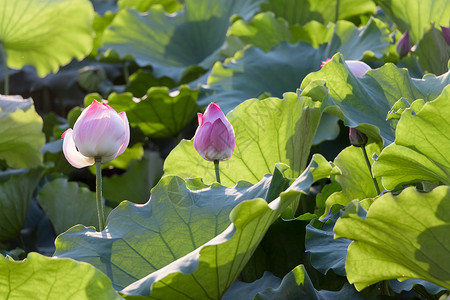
x,y
359,139
214,138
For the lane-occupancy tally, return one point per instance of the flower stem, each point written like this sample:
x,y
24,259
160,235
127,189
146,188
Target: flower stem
x,y
3,55
216,167
369,166
98,186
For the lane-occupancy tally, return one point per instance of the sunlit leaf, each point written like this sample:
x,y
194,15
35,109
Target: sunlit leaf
x,y
21,136
45,34
420,151
404,236
41,277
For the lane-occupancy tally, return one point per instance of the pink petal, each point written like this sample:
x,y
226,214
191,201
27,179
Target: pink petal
x,y
213,112
73,156
202,138
200,119
358,68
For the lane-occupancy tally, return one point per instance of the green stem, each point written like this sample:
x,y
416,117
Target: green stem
x,y
3,54
336,17
98,186
369,166
126,73
216,167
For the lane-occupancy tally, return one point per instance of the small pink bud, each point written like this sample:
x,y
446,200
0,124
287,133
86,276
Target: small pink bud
x,y
404,45
358,68
214,138
446,34
98,132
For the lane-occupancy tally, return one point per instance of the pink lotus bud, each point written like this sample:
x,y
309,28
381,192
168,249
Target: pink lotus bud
x,y
446,34
404,45
99,132
358,68
214,138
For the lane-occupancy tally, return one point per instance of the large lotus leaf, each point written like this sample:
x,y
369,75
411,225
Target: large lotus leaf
x,y
68,204
209,270
368,100
172,43
354,178
267,132
433,52
253,72
41,277
16,190
404,236
420,151
416,15
21,136
141,174
303,11
183,228
45,34
159,113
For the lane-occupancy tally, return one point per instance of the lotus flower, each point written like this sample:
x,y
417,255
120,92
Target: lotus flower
x,y
99,132
214,138
404,45
358,68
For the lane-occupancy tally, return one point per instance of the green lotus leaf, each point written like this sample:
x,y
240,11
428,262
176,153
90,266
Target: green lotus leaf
x,y
267,132
303,11
420,151
68,204
16,190
172,43
180,235
159,113
45,34
41,277
21,136
253,72
416,15
404,236
368,100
